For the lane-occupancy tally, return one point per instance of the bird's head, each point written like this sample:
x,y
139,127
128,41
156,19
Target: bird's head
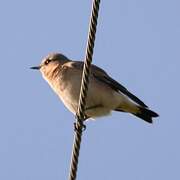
x,y
50,63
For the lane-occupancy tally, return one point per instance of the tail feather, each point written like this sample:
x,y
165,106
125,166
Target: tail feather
x,y
146,114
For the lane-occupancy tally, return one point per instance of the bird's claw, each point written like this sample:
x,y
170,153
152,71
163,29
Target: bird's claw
x,y
76,129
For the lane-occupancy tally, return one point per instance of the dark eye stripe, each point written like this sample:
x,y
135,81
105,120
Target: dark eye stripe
x,y
47,62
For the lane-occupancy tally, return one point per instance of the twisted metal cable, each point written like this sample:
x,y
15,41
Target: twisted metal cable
x,y
80,117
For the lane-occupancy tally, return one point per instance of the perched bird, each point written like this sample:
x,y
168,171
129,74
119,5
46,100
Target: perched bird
x,y
104,93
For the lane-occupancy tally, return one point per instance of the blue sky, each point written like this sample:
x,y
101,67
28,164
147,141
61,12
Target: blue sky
x,y
137,43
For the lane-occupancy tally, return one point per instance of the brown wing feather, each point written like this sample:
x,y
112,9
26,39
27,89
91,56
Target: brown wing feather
x,y
102,76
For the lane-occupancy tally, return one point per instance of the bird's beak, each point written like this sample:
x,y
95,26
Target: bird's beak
x,y
35,67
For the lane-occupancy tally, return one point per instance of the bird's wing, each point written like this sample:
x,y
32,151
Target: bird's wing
x,y
102,76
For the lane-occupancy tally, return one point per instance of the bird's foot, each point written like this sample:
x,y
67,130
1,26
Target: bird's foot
x,y
77,128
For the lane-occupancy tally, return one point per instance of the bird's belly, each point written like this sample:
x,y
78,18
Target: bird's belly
x,y
70,96
100,101
94,105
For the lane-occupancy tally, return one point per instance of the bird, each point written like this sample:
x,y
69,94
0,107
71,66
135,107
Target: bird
x,y
104,93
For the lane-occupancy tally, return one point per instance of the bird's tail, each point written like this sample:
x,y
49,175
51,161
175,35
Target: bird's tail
x,y
146,114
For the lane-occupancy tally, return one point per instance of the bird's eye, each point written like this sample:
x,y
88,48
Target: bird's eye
x,y
47,61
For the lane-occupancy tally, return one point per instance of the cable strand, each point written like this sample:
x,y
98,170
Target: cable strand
x,y
80,116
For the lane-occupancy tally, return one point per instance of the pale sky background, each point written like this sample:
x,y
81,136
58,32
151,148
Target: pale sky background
x,y
138,44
